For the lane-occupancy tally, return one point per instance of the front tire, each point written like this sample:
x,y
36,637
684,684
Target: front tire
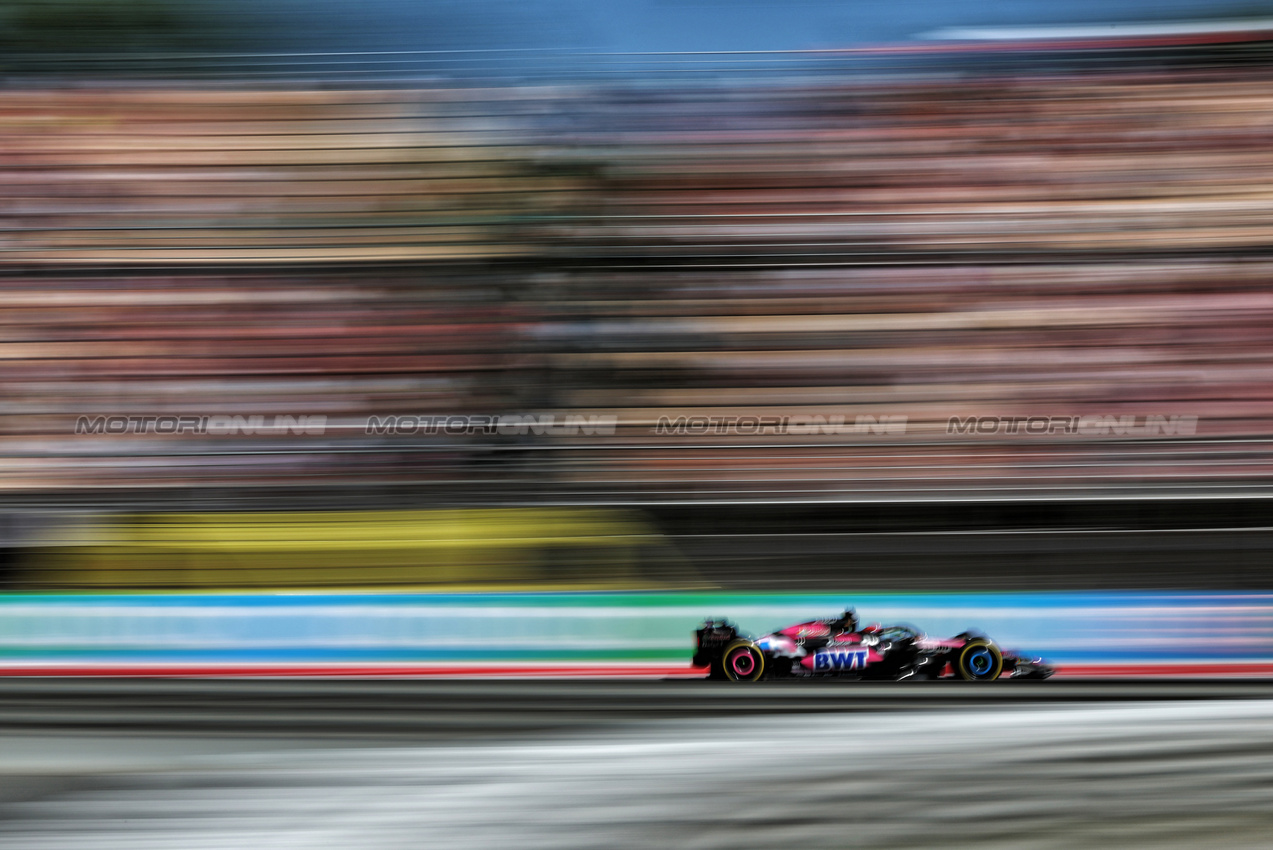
x,y
979,661
743,662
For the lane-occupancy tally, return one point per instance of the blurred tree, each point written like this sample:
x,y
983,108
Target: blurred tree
x,y
107,27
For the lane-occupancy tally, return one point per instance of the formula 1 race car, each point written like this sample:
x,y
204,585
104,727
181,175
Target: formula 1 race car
x,y
841,648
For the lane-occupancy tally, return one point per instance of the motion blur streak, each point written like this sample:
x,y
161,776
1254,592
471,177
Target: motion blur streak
x,y
1171,775
1084,249
605,633
436,349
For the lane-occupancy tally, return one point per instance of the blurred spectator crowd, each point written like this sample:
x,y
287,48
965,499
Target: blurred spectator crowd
x,y
911,250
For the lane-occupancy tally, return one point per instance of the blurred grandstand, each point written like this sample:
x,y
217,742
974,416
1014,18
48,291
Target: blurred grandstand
x,y
1085,240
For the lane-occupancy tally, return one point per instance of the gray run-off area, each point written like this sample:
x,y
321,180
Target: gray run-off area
x,y
988,773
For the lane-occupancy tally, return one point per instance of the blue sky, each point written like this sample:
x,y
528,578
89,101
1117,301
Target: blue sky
x,y
683,25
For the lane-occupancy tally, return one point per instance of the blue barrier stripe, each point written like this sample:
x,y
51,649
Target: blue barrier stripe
x,y
1066,627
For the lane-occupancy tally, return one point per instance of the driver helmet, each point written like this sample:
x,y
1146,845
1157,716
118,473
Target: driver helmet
x,y
849,620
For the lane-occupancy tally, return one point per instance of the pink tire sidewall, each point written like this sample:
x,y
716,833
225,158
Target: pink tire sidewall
x,y
743,664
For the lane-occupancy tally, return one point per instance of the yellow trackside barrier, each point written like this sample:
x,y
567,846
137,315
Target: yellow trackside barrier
x,y
504,548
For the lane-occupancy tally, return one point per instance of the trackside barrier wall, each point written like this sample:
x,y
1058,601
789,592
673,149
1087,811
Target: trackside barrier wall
x,y
86,632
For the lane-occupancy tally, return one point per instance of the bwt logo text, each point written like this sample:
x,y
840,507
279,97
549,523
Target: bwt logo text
x,y
213,425
840,659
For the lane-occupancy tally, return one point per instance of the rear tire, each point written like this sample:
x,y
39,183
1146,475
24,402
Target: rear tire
x,y
979,661
743,662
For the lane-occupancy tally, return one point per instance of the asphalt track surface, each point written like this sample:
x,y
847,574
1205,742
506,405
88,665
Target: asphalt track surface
x,y
434,709
535,764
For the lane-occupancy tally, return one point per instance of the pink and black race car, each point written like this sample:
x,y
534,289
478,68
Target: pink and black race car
x,y
842,648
